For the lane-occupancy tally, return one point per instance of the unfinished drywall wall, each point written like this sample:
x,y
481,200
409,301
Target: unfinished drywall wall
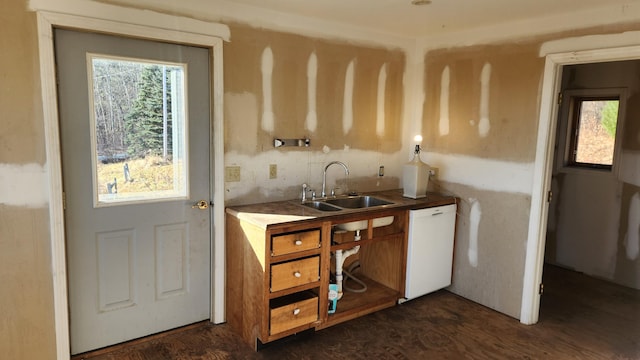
x,y
593,212
489,245
347,99
483,101
26,320
479,125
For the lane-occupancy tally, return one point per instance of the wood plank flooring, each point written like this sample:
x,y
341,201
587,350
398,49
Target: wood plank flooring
x,y
580,318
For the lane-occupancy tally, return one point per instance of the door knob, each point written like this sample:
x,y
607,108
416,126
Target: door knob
x,y
202,205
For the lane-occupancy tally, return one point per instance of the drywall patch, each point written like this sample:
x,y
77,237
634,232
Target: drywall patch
x,y
632,238
23,185
629,169
481,173
382,86
485,81
445,84
347,107
267,90
241,113
474,224
312,77
254,185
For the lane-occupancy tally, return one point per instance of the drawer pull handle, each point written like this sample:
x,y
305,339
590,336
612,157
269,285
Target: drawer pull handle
x,y
297,274
296,311
298,242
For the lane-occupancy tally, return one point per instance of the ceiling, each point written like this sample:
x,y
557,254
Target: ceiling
x,y
400,17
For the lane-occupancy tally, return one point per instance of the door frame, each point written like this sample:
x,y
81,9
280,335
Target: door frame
x,y
133,23
558,53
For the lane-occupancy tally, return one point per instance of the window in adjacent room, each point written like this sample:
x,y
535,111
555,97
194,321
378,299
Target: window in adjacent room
x,y
593,121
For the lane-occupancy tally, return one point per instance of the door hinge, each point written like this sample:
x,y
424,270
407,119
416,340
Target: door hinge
x,y
541,289
549,196
559,98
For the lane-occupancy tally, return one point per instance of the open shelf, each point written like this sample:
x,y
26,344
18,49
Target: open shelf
x,y
353,305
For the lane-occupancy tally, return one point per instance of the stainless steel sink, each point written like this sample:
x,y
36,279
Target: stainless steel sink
x,y
321,205
357,202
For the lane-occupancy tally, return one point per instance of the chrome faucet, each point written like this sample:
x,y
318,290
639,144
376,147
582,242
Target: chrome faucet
x,y
324,175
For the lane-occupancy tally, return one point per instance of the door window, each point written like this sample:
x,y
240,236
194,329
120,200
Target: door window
x,y
138,124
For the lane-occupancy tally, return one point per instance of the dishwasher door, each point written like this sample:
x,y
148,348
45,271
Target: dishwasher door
x,y
430,250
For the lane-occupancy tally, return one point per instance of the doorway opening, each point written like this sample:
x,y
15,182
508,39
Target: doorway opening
x,y
558,54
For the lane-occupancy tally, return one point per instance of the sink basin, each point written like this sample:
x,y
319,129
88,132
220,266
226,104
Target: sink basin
x,y
357,202
321,205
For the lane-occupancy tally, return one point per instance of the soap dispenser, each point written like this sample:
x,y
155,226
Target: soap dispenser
x,y
415,175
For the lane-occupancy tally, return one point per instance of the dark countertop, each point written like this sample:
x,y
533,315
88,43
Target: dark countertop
x,y
288,211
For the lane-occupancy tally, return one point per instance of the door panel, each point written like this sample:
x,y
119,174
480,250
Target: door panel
x,y
136,265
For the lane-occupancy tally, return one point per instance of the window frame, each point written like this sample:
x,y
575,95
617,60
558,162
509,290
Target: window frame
x,y
570,101
181,182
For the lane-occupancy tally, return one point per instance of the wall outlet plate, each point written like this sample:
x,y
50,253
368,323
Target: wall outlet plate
x,y
273,171
232,173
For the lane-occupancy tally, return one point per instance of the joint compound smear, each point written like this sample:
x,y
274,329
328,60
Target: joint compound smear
x,y
347,107
445,82
382,86
312,75
24,185
474,223
267,105
485,81
632,239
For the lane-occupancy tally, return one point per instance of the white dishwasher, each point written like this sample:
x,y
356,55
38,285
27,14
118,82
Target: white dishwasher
x,y
430,250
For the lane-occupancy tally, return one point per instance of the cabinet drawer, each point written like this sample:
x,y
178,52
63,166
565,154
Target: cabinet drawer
x,y
292,315
295,273
290,243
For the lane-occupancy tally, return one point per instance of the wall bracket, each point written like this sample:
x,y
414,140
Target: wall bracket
x,y
291,142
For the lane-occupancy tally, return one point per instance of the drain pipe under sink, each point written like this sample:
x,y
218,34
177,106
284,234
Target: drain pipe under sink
x,y
341,256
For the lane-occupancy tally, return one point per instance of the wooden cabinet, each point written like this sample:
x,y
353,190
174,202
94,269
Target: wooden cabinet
x,y
278,274
274,278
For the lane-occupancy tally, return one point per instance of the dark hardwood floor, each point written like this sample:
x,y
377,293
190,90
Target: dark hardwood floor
x,y
580,318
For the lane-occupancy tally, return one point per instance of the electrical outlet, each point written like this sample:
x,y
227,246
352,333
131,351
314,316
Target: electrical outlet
x,y
232,173
433,172
273,171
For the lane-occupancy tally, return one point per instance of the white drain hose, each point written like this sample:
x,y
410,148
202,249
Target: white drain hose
x,y
341,256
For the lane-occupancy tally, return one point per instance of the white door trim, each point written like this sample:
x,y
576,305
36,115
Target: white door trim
x,y
557,53
208,35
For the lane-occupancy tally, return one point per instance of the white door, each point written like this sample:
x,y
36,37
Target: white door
x,y
135,139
